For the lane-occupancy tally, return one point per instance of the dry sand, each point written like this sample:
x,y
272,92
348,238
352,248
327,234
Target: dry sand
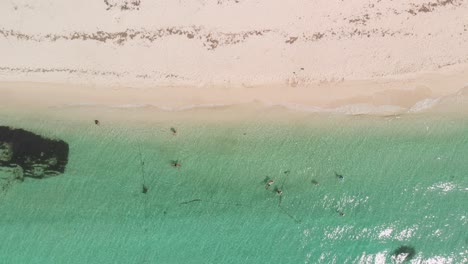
x,y
349,56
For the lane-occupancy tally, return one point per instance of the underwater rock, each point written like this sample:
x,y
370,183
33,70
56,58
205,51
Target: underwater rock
x,y
404,253
36,156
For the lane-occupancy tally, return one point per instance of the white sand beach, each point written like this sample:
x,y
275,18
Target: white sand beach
x,y
355,57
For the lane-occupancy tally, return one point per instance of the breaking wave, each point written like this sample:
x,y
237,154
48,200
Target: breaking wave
x,y
458,101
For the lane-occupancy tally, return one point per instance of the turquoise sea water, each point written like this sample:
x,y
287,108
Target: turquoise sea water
x,y
405,184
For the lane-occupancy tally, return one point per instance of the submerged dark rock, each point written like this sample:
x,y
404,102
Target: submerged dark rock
x,y
35,156
404,253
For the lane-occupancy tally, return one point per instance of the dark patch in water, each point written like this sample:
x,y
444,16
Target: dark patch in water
x,y
175,163
143,178
298,221
37,156
268,182
278,191
340,213
230,204
191,201
404,253
339,176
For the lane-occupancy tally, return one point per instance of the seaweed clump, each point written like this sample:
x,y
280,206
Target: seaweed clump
x,y
176,163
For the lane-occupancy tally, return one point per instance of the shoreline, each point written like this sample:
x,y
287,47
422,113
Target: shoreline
x,y
383,96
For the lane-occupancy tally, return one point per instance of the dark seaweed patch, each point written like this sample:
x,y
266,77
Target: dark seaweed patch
x,y
144,189
38,157
404,253
266,180
175,163
142,167
339,176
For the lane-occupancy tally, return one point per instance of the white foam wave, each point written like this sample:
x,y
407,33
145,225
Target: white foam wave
x,y
351,109
445,187
406,233
354,109
343,202
338,232
386,233
378,258
436,260
424,105
149,106
382,258
442,186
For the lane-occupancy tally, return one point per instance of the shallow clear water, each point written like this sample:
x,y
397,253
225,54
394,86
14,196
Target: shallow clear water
x,y
405,183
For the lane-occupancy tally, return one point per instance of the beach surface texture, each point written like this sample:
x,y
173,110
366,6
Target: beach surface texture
x,y
233,131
